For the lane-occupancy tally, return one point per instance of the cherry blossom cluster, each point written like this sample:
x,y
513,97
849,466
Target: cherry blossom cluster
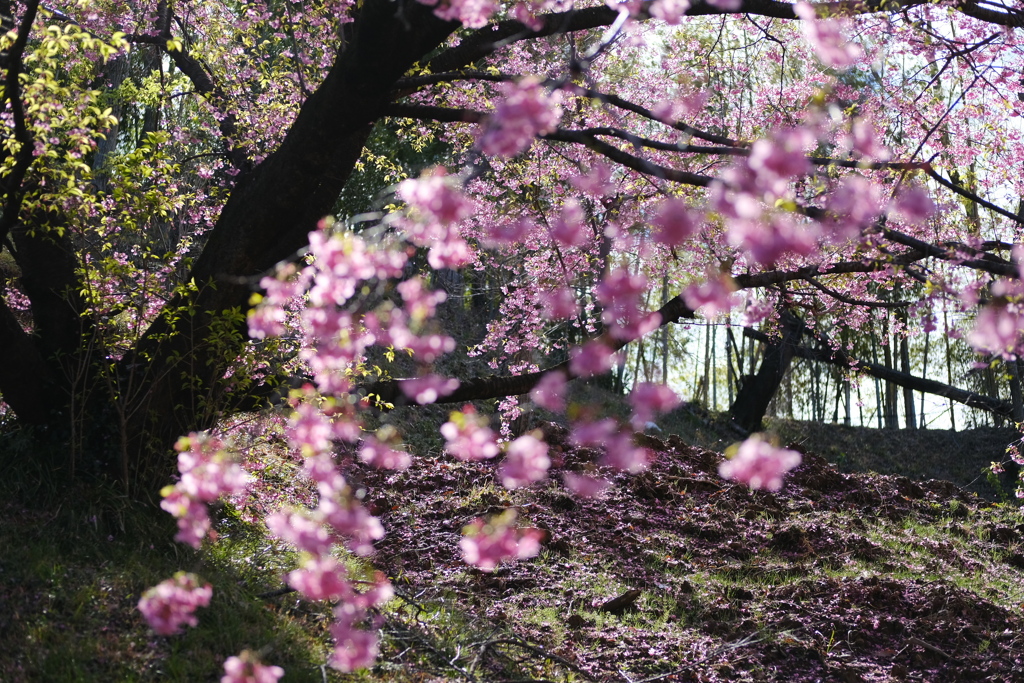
x,y
247,668
468,436
486,544
435,206
826,37
759,464
999,327
171,604
472,13
208,471
526,111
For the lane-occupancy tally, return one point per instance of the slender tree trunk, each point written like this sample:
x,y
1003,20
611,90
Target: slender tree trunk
x,y
908,393
714,367
949,367
924,373
879,396
848,421
664,332
891,419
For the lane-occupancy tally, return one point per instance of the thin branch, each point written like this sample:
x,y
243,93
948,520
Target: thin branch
x,y
967,194
1002,268
629,160
856,302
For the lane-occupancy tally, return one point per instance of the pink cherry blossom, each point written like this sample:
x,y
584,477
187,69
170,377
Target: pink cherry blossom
x,y
853,206
777,160
435,198
675,222
526,461
428,388
309,429
449,251
587,433
208,471
320,578
354,648
597,183
726,5
349,519
999,330
570,228
526,111
759,464
711,297
619,294
420,303
913,205
767,242
171,604
649,400
621,454
584,485
381,455
247,668
592,358
550,392
468,437
757,311
486,544
298,529
670,11
864,141
826,37
559,303
513,232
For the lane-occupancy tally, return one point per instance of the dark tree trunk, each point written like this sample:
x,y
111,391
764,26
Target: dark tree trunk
x,y
757,391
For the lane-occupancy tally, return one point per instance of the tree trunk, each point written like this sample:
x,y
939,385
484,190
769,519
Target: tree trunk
x,y
910,414
757,390
1016,397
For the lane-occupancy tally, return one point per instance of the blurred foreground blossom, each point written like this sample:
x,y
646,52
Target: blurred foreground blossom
x,y
171,604
247,668
759,464
486,544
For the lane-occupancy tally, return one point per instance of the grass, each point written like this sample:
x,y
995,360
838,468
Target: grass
x,y
70,578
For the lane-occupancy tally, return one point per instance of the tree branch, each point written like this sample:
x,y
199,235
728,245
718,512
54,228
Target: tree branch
x,y
840,358
486,40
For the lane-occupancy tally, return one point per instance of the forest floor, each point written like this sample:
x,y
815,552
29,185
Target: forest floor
x,y
840,576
